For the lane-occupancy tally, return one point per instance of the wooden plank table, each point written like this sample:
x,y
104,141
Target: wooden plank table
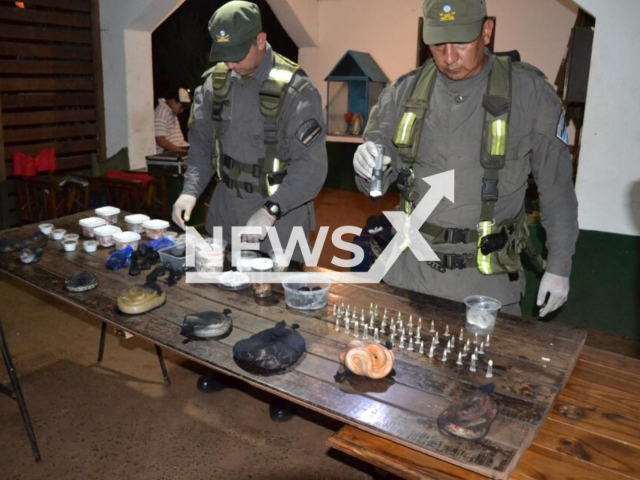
x,y
532,361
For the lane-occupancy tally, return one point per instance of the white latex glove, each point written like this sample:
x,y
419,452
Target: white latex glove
x,y
558,289
262,219
365,159
184,203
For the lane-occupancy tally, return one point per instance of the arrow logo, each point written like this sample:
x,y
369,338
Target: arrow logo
x,y
408,227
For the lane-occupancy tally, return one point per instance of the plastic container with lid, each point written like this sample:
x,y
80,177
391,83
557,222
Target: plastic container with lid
x,y
110,214
242,259
306,291
170,235
170,258
105,234
135,221
123,239
155,228
88,224
211,259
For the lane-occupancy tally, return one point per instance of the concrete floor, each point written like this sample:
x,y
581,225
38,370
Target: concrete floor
x,y
119,421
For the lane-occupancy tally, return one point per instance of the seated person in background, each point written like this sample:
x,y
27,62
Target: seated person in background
x,y
169,137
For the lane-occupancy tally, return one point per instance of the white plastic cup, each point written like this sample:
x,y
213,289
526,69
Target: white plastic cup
x,y
46,228
58,233
69,245
90,246
481,314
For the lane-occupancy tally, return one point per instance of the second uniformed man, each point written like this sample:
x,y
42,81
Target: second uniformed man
x,y
493,122
256,123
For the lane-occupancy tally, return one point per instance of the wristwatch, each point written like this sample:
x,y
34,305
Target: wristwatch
x,y
273,209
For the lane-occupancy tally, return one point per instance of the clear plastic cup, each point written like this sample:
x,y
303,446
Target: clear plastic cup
x,y
481,314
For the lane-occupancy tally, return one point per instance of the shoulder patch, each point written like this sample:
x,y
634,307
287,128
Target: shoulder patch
x,y
561,129
308,132
531,68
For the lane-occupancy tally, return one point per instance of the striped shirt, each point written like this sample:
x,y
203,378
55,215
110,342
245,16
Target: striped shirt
x,y
167,125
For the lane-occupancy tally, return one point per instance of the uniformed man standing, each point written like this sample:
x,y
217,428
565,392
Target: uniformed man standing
x,y
257,124
493,122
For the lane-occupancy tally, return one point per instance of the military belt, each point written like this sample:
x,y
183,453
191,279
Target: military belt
x,y
455,261
232,184
255,170
449,235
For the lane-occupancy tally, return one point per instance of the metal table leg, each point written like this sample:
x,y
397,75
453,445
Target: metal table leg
x,y
16,393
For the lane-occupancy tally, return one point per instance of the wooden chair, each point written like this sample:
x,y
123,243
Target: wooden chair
x,y
128,195
39,198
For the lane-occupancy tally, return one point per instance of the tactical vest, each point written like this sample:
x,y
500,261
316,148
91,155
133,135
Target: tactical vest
x,y
498,247
270,171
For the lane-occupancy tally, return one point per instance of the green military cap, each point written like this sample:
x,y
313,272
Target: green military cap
x,y
452,21
233,28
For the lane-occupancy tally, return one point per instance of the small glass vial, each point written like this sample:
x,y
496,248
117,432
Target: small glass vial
x,y
260,267
375,186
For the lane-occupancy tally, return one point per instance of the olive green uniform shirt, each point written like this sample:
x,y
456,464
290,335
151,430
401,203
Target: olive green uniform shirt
x,y
243,140
451,139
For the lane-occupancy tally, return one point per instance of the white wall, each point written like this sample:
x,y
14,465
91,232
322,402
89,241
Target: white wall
x,y
388,30
608,184
299,18
125,34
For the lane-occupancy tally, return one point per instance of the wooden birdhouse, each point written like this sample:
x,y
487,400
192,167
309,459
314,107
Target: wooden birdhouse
x,y
353,87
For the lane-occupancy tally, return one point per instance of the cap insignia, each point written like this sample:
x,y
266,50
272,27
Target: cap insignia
x,y
448,14
223,37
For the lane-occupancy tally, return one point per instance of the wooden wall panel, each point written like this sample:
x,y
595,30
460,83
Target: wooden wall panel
x,y
50,84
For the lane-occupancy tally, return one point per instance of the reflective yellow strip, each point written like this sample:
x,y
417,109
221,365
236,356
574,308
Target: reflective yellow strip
x,y
484,261
271,189
498,137
403,133
280,75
